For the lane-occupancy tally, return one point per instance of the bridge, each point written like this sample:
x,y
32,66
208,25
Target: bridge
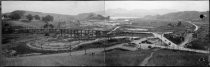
x,y
76,33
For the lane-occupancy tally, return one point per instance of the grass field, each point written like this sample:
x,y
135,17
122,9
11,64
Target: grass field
x,y
118,57
178,58
61,60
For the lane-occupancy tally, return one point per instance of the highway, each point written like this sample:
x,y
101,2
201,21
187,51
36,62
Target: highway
x,y
172,45
189,36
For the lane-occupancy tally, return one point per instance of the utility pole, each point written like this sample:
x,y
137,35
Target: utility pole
x,y
85,51
70,49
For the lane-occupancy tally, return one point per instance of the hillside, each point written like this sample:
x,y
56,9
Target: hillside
x,y
184,15
60,20
133,13
91,16
62,17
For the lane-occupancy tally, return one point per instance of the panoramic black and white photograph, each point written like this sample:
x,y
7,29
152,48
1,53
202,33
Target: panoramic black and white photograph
x,y
105,33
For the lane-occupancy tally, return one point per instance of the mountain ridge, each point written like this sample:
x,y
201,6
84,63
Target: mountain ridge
x,y
133,13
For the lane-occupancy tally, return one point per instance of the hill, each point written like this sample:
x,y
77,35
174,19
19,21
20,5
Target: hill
x,y
60,20
133,13
91,16
184,15
62,17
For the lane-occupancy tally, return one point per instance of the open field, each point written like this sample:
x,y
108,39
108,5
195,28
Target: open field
x,y
119,57
178,58
61,60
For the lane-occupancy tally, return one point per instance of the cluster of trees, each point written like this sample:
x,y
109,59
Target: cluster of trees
x,y
175,39
37,17
46,19
15,15
201,38
30,17
98,17
178,24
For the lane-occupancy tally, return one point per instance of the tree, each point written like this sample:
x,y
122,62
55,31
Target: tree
x,y
179,23
37,17
16,15
29,17
48,26
5,16
47,18
170,24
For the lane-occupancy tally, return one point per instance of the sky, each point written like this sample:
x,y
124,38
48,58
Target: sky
x,y
76,7
59,7
149,5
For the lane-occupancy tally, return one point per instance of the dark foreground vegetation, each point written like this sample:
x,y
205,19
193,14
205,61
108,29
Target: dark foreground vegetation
x,y
178,58
201,37
118,57
21,49
174,39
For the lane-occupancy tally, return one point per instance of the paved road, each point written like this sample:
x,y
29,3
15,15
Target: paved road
x,y
196,27
188,38
172,45
176,47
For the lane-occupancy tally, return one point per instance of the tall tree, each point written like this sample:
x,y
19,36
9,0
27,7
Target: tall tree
x,y
37,17
29,17
5,16
179,23
47,18
16,15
